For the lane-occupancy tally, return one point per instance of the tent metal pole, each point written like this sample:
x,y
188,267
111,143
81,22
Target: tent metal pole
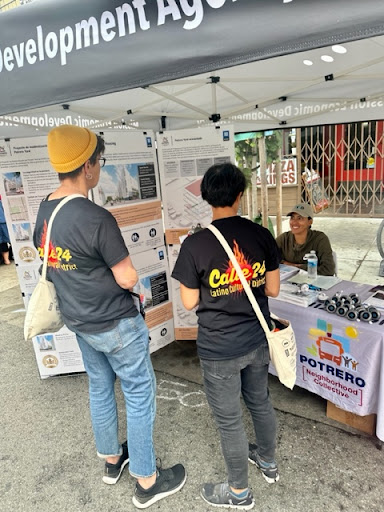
x,y
179,93
180,102
279,192
214,98
232,92
263,179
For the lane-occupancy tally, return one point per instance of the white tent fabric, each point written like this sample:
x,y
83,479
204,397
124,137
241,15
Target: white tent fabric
x,y
274,93
168,40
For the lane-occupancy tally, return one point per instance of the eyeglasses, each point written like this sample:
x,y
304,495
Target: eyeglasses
x,y
102,161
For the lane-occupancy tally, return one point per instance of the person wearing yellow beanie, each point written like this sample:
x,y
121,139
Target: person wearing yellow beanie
x,y
75,153
90,266
69,147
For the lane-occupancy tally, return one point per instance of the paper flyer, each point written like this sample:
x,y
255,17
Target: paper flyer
x,y
184,157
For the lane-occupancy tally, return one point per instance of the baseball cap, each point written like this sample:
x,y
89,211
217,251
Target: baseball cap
x,y
302,209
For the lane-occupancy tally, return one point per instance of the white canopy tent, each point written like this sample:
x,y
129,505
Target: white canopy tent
x,y
252,94
282,91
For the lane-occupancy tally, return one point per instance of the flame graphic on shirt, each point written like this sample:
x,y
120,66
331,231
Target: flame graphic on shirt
x,y
242,260
52,255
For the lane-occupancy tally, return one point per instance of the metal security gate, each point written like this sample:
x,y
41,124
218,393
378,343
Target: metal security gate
x,y
343,168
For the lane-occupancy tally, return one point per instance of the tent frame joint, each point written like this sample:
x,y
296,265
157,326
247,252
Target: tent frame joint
x,y
215,118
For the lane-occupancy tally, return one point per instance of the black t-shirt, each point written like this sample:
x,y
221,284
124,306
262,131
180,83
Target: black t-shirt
x,y
228,326
85,243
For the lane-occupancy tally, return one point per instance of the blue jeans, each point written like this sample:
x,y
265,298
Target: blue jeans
x,y
122,352
225,381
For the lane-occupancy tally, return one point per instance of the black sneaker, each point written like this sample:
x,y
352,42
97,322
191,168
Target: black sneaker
x,y
268,469
168,481
220,495
113,472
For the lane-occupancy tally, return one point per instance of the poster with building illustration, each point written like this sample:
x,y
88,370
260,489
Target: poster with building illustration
x,y
26,178
57,354
129,188
184,157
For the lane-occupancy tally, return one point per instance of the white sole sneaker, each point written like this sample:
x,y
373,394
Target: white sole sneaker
x,y
268,479
158,496
113,480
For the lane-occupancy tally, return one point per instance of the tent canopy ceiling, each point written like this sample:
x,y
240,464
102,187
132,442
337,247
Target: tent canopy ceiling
x,y
265,86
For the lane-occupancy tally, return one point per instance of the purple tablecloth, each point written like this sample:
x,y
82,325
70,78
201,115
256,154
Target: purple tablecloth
x,y
339,359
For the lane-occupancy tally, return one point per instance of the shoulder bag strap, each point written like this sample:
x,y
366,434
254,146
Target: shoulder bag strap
x,y
48,236
244,282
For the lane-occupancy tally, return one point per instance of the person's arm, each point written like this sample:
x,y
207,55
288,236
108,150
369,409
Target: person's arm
x,y
125,273
272,283
190,297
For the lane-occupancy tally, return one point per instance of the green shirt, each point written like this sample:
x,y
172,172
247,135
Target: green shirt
x,y
316,241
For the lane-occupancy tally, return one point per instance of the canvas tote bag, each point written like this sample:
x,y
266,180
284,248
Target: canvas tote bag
x,y
282,342
43,314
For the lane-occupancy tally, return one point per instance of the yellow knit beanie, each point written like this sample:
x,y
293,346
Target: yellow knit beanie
x,y
69,147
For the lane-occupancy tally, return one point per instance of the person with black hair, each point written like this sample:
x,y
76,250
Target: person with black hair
x,y
231,343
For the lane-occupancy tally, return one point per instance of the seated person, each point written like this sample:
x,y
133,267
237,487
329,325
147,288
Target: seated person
x,y
298,242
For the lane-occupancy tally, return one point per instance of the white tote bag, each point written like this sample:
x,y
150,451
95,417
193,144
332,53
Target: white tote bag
x,y
282,341
43,314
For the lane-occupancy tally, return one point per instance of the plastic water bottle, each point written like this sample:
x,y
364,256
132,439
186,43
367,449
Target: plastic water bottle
x,y
312,265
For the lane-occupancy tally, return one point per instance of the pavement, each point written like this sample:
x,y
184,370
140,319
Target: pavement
x,y
47,450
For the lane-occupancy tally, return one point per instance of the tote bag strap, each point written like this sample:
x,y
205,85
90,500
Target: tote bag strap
x,y
47,239
244,282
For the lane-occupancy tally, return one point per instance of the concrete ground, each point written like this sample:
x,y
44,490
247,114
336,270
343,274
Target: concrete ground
x,y
46,444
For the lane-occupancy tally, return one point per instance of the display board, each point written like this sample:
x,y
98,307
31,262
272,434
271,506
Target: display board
x,y
185,321
26,179
184,157
154,283
129,189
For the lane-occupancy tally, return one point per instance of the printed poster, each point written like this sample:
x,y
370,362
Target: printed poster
x,y
25,179
184,157
154,285
129,188
57,354
185,321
